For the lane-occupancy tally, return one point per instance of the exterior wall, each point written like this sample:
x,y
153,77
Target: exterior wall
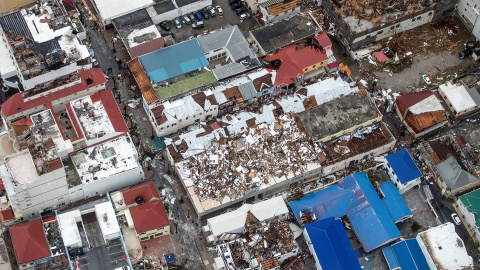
x,y
173,126
49,190
329,169
261,52
112,182
31,83
417,135
268,18
180,11
11,59
253,5
343,132
470,218
165,230
468,11
316,66
476,29
311,249
465,188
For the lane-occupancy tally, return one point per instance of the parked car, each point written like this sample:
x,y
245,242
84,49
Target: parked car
x,y
212,11
219,10
240,10
456,219
198,24
177,24
191,17
426,79
204,13
164,26
237,5
186,20
466,53
198,16
470,44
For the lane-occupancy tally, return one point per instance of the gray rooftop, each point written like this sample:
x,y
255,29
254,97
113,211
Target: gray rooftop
x,y
284,33
233,40
133,21
474,94
247,90
453,175
338,115
164,6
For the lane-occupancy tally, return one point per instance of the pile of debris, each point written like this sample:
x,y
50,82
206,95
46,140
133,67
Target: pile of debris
x,y
231,166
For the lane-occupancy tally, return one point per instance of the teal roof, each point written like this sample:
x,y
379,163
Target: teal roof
x,y
472,202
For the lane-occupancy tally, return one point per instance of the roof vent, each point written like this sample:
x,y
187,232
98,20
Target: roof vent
x,y
139,200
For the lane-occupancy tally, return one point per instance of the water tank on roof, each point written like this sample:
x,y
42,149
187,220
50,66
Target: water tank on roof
x,y
139,200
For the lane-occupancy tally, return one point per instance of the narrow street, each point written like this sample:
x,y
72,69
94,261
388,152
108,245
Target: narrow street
x,y
187,230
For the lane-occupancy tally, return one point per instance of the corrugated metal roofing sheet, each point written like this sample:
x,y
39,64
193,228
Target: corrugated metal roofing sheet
x,y
394,202
403,166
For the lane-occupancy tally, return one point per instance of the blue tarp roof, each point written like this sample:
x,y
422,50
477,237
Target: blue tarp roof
x,y
330,202
394,202
173,61
331,244
403,166
405,255
355,197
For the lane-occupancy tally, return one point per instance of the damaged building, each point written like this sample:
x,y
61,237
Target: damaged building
x,y
360,23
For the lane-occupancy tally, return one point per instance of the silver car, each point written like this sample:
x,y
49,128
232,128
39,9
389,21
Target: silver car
x,y
219,10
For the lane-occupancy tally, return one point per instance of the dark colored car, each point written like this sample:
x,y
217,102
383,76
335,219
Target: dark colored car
x,y
237,5
240,10
191,17
466,53
233,1
470,44
164,26
198,15
204,13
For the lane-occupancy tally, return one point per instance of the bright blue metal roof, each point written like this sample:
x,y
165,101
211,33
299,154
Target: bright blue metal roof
x,y
330,202
405,255
355,197
331,244
173,61
369,217
403,166
394,202
390,258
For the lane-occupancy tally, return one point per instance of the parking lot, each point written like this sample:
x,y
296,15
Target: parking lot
x,y
229,18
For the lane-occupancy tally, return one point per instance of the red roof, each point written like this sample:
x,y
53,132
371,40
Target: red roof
x,y
16,104
149,216
215,126
147,191
381,56
147,47
6,215
29,241
111,107
413,98
333,65
25,121
324,40
294,62
2,187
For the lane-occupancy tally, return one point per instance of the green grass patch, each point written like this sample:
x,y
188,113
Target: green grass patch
x,y
185,85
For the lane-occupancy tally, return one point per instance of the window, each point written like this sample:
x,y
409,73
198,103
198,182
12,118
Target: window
x,y
379,32
398,25
180,120
419,17
186,118
314,66
429,13
168,126
413,19
306,69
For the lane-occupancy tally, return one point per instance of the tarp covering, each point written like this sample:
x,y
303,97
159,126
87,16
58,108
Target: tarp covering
x,y
405,255
355,197
394,202
331,244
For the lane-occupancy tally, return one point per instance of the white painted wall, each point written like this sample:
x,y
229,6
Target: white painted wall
x,y
311,249
402,188
113,182
275,18
470,218
180,11
173,126
469,10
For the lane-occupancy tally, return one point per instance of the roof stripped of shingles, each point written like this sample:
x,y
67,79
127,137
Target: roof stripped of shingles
x,y
142,81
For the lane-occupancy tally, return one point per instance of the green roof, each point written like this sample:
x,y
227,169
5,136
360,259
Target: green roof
x,y
472,202
185,85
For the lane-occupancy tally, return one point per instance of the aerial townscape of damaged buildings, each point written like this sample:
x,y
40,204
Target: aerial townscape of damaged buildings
x,y
267,146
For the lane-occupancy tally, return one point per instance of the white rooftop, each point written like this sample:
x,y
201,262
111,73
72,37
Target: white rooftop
x,y
458,96
151,30
111,9
106,159
235,220
45,127
444,249
68,227
107,219
92,117
430,104
21,167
